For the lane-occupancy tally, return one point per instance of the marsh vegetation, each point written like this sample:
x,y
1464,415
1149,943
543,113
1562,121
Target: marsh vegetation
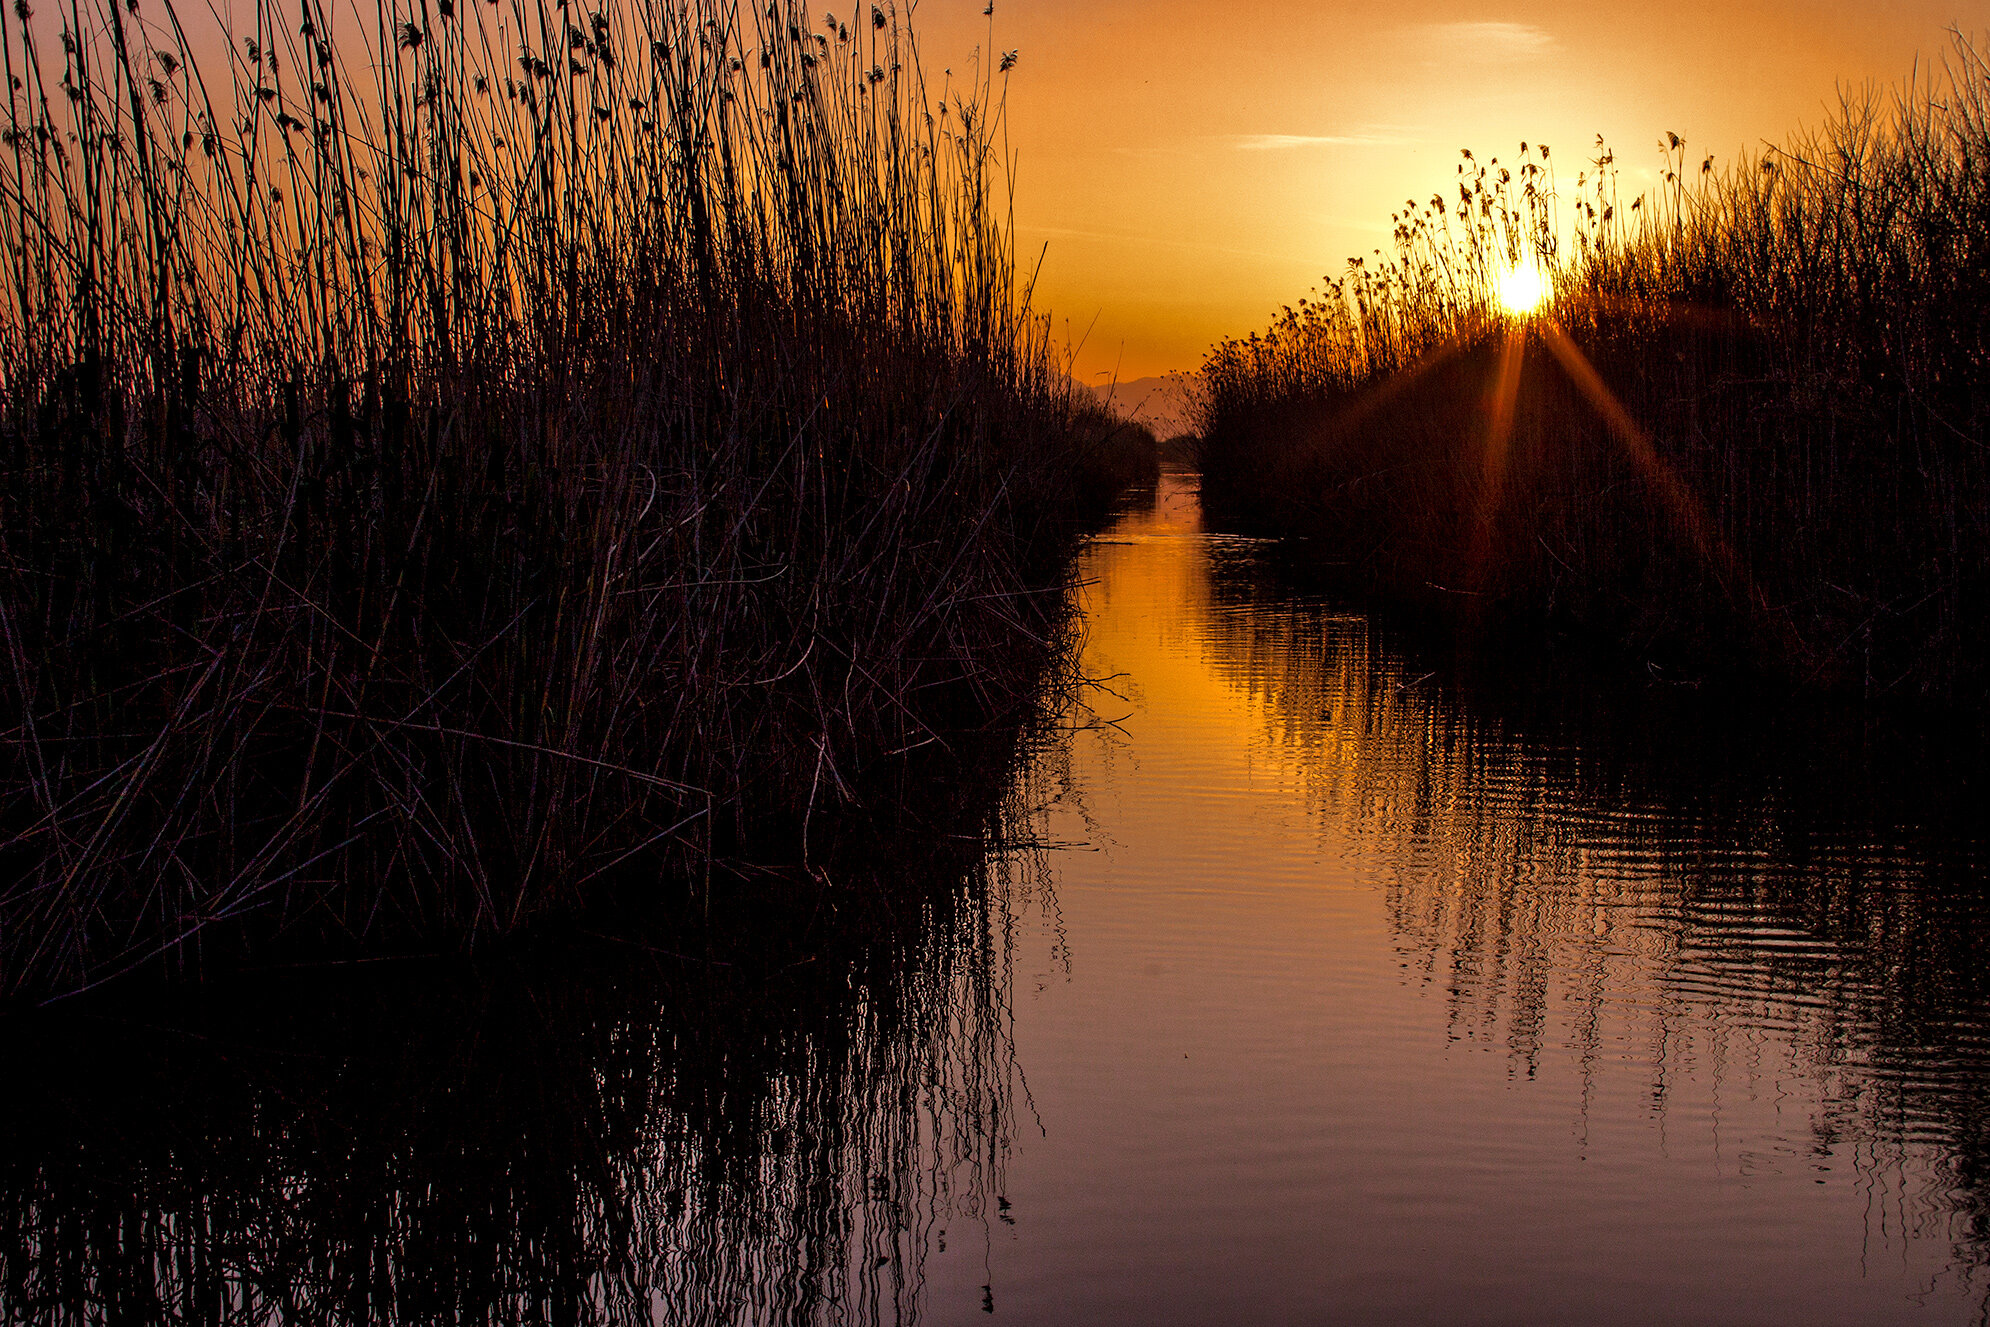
x,y
452,462
1745,430
540,560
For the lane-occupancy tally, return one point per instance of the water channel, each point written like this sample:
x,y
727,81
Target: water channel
x,y
1380,992
1317,977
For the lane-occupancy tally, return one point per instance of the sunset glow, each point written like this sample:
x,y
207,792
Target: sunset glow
x,y
1180,188
1098,659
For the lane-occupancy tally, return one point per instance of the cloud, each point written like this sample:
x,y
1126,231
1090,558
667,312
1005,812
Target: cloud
x,y
1490,41
1282,142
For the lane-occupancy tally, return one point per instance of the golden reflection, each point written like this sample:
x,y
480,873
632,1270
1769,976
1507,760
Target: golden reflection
x,y
1569,894
1659,918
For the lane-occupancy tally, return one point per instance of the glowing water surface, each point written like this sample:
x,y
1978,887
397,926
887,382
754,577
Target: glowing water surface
x,y
1369,996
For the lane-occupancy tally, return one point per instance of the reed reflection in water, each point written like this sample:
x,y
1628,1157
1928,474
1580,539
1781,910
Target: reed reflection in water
x,y
1370,987
1395,988
756,1123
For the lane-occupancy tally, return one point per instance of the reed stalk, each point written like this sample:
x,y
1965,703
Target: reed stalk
x,y
458,453
1746,431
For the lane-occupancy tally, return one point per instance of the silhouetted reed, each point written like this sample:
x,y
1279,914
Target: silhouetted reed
x,y
1747,428
1125,457
449,460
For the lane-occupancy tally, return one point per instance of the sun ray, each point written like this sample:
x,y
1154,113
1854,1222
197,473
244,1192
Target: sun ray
x,y
1681,505
1499,437
1394,385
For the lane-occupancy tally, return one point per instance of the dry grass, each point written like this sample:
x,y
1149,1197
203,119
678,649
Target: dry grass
x,y
1747,430
453,457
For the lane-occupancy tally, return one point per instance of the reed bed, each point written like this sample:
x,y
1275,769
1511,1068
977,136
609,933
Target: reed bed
x,y
766,1104
1745,431
457,455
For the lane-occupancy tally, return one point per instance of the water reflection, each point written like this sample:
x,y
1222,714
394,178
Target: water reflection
x,y
1372,987
1739,893
748,1120
1391,987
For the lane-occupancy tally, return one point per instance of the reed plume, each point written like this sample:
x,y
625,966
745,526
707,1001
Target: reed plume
x,y
459,453
1746,430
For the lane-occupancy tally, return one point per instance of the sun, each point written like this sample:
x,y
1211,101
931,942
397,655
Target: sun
x,y
1521,289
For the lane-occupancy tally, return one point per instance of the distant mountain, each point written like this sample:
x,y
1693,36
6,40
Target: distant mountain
x,y
1159,403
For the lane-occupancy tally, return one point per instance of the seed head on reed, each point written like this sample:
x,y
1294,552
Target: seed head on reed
x,y
1772,328
410,525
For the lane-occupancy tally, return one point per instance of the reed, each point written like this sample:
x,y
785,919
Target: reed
x,y
457,453
1124,457
1746,430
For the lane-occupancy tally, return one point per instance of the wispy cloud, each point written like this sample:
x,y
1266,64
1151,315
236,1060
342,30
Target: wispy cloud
x,y
1284,142
1490,41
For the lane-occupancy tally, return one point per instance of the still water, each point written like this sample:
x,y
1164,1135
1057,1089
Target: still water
x,y
1371,995
1301,976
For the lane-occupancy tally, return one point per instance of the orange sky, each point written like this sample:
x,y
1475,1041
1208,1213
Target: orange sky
x,y
1194,166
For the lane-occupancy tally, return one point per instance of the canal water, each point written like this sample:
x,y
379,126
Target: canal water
x,y
1307,974
1383,989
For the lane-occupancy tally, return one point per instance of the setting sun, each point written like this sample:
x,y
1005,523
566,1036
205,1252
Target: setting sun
x,y
1522,289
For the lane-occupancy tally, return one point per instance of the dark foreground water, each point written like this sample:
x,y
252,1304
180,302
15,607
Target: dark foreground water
x,y
1341,985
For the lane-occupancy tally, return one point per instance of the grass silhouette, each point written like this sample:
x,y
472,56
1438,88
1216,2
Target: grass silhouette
x,y
456,452
1746,429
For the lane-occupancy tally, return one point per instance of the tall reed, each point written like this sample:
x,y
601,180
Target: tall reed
x,y
455,453
1747,428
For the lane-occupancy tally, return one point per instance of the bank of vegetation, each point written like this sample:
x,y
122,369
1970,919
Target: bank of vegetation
x,y
1746,431
451,463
